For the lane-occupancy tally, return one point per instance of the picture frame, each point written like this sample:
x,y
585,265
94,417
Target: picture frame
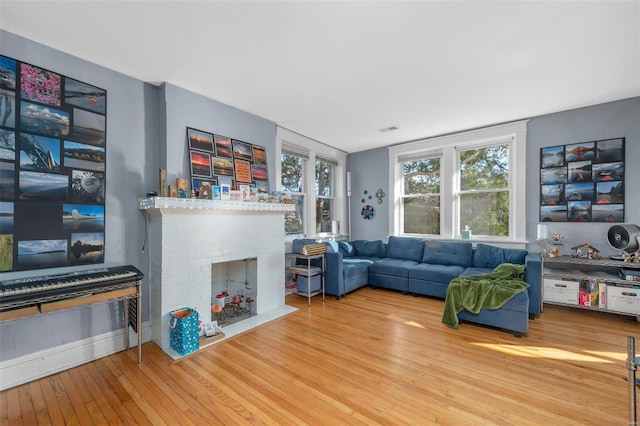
x,y
583,182
242,150
200,140
200,163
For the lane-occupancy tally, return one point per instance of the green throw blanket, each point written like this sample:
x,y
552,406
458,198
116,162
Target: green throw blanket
x,y
488,291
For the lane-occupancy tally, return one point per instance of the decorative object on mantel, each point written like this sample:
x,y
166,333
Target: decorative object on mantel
x,y
181,184
583,182
367,212
162,183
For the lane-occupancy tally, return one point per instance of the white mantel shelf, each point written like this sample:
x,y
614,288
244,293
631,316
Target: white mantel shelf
x,y
151,203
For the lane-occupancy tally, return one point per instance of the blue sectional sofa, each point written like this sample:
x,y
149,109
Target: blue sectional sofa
x,y
425,267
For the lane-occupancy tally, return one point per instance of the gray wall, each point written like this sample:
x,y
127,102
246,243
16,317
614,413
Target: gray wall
x,y
132,135
369,171
187,109
605,121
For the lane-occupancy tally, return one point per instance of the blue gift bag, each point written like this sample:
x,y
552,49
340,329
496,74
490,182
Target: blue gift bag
x,y
183,337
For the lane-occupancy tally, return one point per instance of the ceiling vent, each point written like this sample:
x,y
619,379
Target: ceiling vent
x,y
389,129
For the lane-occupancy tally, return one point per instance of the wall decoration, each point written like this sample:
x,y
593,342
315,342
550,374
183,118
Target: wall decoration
x,y
243,171
53,144
367,212
380,195
220,161
200,164
582,182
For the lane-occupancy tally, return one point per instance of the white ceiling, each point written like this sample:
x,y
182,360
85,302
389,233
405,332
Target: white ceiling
x,y
339,71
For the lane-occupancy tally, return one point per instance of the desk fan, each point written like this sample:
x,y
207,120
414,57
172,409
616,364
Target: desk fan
x,y
624,237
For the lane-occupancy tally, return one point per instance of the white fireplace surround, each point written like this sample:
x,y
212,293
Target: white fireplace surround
x,y
187,236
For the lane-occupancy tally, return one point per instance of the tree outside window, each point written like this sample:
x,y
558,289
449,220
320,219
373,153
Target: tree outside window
x,y
292,187
324,196
484,190
421,198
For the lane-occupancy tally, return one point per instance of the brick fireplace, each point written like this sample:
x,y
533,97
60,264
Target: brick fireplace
x,y
188,236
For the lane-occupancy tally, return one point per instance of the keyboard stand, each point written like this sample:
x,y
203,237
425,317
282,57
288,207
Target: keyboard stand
x,y
127,295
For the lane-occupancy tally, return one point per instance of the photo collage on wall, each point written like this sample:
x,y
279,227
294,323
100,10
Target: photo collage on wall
x,y
52,169
222,167
582,182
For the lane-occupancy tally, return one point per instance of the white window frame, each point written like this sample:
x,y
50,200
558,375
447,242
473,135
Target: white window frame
x,y
514,134
333,164
287,138
422,156
305,164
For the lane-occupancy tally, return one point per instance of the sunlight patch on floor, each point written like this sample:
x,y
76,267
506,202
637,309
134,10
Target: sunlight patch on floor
x,y
550,353
411,323
414,324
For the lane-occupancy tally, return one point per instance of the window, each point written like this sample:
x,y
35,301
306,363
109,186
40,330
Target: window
x,y
292,187
312,175
421,196
325,199
441,185
484,190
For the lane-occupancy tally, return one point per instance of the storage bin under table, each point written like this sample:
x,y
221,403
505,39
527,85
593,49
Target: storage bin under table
x,y
561,291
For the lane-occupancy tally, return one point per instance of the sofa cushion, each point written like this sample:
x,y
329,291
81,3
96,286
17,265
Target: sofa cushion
x,y
346,249
487,256
437,273
393,267
448,253
352,269
369,248
405,248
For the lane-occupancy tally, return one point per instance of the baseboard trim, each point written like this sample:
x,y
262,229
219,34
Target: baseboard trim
x,y
36,365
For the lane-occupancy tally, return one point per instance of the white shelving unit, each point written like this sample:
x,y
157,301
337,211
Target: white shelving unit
x,y
561,278
308,271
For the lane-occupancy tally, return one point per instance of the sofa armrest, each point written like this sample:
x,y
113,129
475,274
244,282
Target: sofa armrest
x,y
533,277
334,274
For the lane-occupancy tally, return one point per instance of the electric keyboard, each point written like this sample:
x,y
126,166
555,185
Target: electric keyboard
x,y
34,290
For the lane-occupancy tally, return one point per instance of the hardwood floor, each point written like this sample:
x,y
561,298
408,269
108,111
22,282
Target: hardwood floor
x,y
374,357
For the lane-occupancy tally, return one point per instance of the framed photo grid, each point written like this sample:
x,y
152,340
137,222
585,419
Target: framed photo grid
x,y
583,182
218,161
53,144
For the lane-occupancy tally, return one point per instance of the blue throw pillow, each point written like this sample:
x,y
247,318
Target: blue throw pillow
x,y
369,248
346,249
331,246
448,253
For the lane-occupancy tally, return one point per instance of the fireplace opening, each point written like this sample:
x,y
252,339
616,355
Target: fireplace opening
x,y
233,290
